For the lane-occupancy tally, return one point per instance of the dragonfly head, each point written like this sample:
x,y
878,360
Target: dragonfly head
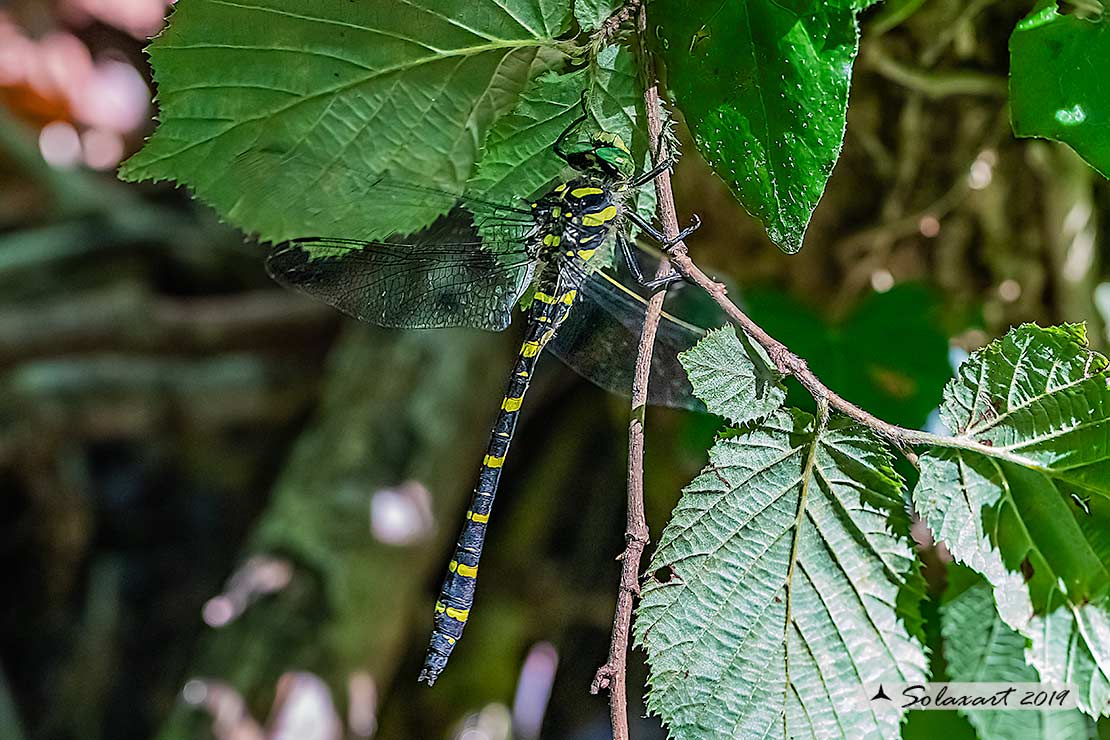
x,y
603,155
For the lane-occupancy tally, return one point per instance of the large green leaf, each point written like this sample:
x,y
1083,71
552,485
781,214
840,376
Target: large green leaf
x,y
981,648
764,87
1057,90
328,96
519,159
734,377
783,565
1023,494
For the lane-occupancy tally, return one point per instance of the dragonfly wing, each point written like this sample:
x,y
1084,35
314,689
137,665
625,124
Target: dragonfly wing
x,y
600,338
418,285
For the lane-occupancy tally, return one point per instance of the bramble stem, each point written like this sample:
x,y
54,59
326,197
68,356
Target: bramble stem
x,y
614,674
789,363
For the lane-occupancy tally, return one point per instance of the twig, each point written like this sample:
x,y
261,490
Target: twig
x,y
613,23
789,363
935,84
614,674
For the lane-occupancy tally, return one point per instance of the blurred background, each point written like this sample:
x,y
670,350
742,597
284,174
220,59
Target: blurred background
x,y
224,510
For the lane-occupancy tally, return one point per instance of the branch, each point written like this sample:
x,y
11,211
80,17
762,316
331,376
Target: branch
x,y
935,84
612,25
614,674
789,363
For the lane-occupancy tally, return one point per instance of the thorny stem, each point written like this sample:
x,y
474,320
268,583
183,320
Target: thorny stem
x,y
612,25
614,674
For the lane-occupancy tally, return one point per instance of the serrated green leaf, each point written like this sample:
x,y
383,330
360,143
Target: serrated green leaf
x,y
1056,84
518,158
1071,644
349,91
981,648
1023,495
764,88
787,556
734,378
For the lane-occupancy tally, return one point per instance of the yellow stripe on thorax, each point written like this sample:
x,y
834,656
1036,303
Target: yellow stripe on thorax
x,y
583,192
600,218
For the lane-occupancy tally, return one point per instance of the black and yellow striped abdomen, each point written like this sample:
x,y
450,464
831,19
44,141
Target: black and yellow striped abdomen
x,y
457,595
572,222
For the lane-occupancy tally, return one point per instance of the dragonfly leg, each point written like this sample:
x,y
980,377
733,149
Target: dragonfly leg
x,y
633,263
653,173
659,236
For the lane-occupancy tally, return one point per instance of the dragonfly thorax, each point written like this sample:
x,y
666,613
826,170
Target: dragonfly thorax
x,y
573,220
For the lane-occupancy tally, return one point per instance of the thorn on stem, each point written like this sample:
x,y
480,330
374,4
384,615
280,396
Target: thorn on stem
x,y
603,679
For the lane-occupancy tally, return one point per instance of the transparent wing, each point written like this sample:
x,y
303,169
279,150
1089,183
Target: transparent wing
x,y
447,277
600,338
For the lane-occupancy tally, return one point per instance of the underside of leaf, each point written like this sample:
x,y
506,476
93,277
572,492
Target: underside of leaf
x,y
786,577
1023,494
981,648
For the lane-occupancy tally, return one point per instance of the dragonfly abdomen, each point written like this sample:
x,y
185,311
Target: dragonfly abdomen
x,y
457,594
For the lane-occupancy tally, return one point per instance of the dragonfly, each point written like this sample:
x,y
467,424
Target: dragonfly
x,y
471,266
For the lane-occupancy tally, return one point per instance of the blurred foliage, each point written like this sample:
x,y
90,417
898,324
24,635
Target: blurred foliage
x,y
899,379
